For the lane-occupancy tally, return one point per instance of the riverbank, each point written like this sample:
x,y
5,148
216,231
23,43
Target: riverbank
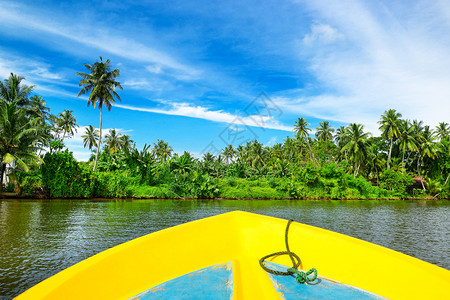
x,y
61,176
13,196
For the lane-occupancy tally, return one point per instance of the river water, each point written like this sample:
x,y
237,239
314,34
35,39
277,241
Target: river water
x,y
41,238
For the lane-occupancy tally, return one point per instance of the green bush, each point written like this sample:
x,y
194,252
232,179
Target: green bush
x,y
63,177
31,183
113,184
206,187
291,189
396,181
231,181
144,191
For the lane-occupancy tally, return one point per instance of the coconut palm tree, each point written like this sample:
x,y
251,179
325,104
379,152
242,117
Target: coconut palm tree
x,y
240,154
390,128
341,139
407,139
257,154
126,143
13,91
277,151
301,132
228,152
375,160
301,129
67,123
38,109
113,141
90,137
101,83
324,132
357,146
427,148
18,138
290,148
443,130
162,151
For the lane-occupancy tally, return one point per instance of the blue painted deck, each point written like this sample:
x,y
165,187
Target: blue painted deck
x,y
215,282
288,288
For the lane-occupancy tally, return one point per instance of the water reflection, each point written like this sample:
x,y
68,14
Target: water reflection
x,y
40,238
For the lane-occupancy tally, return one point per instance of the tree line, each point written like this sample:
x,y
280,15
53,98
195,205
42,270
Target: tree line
x,y
409,159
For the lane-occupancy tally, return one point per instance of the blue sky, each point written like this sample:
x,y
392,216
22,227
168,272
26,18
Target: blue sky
x,y
195,72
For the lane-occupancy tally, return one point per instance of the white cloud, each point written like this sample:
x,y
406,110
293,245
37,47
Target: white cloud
x,y
391,57
157,68
35,70
322,33
141,84
188,110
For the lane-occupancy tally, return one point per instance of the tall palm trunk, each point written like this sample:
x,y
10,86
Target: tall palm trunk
x,y
99,138
403,161
446,180
390,152
356,171
418,172
311,154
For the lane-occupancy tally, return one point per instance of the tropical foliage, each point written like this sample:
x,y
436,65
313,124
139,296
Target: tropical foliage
x,y
101,83
410,159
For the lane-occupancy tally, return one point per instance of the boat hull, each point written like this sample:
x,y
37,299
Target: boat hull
x,y
241,238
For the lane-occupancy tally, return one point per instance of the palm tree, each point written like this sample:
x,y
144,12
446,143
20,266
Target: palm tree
x,y
126,143
162,151
390,128
301,133
341,139
38,109
375,160
18,138
290,148
427,148
67,123
324,132
357,146
113,141
102,84
257,154
277,151
406,139
13,91
90,138
240,154
228,152
301,129
443,130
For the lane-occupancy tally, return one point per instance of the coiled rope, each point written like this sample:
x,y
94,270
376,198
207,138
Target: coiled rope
x,y
301,277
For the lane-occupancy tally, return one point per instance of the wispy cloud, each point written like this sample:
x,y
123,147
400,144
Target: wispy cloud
x,y
104,40
199,112
323,34
376,58
14,64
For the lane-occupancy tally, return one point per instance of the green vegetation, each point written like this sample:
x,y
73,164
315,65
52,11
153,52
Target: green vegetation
x,y
409,160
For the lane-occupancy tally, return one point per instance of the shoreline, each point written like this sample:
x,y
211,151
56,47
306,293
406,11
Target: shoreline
x,y
11,196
